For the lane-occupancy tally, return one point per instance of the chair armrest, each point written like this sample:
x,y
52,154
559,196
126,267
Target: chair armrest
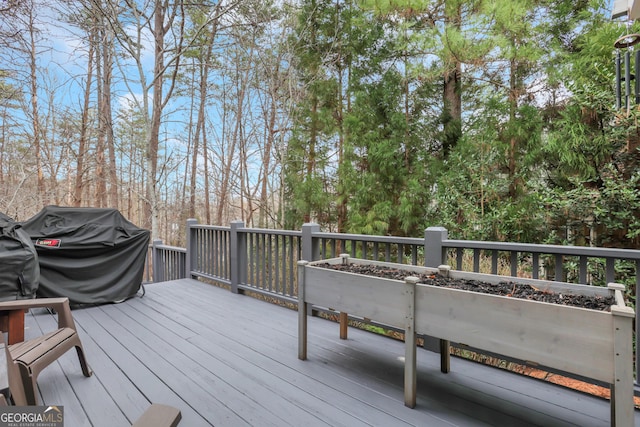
x,y
60,305
25,304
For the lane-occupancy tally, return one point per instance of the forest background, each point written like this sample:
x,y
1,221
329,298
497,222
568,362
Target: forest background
x,y
495,119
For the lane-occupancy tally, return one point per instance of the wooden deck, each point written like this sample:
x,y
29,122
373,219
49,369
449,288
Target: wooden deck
x,y
231,360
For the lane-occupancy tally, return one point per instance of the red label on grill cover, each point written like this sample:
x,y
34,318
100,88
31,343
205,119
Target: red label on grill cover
x,y
50,243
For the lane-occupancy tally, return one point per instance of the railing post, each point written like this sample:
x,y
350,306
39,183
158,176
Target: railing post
x,y
157,263
238,255
310,247
434,252
191,258
434,256
637,320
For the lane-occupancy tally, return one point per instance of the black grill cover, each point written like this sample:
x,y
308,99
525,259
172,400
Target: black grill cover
x,y
19,269
89,255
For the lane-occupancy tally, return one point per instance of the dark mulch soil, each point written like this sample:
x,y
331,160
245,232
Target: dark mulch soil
x,y
509,289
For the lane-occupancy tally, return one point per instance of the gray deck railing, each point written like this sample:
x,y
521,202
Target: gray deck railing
x,y
167,262
264,260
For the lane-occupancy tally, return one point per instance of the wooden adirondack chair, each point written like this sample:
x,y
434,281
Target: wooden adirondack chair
x,y
158,415
26,359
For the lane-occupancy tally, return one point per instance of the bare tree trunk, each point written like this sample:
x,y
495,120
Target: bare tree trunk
x,y
226,172
107,117
207,196
313,140
190,207
266,158
452,94
313,132
225,166
3,142
196,145
130,192
84,127
35,116
100,179
513,142
342,197
161,27
151,206
200,128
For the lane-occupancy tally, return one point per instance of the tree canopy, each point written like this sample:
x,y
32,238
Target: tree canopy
x,y
495,119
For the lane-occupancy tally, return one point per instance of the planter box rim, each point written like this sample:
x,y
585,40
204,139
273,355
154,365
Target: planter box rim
x,y
547,285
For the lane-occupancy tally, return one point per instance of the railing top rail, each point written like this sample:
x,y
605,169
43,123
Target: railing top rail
x,y
369,238
629,254
210,227
170,248
626,254
270,231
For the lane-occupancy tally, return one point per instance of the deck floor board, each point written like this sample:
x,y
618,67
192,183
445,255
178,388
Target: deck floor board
x,y
231,360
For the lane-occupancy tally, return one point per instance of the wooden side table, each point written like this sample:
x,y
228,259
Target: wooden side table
x,y
4,377
12,322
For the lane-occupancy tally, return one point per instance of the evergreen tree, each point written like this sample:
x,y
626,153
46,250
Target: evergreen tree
x,y
592,151
307,187
492,186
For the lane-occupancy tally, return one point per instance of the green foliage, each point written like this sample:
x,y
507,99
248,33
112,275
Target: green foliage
x,y
618,209
390,192
374,133
10,95
472,198
591,153
360,128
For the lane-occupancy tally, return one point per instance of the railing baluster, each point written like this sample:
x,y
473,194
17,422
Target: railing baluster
x,y
251,276
260,261
559,270
269,265
514,264
225,254
611,272
276,266
634,294
204,259
494,261
219,248
293,262
264,257
583,262
476,260
204,266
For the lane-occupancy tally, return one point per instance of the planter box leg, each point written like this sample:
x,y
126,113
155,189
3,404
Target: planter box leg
x,y
302,314
344,323
622,405
445,357
410,374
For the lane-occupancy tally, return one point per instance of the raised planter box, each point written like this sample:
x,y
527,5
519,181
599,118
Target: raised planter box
x,y
591,343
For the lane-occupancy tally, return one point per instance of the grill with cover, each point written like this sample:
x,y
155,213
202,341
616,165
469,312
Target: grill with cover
x,y
90,255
